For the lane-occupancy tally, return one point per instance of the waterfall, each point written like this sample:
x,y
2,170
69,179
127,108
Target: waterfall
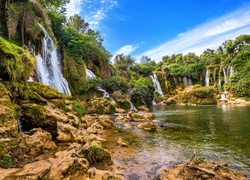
x,y
49,66
225,75
231,71
90,74
156,84
189,81
132,107
207,78
184,80
20,125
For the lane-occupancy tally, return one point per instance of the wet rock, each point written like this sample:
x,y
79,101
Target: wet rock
x,y
128,126
137,117
120,119
204,169
122,142
66,132
146,126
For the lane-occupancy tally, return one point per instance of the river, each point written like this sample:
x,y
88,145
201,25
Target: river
x,y
221,133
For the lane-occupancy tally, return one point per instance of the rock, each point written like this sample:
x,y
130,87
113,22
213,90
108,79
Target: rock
x,y
128,126
205,169
94,174
38,142
67,163
36,170
94,152
105,121
137,117
120,110
7,173
146,126
143,108
122,142
66,132
171,100
120,119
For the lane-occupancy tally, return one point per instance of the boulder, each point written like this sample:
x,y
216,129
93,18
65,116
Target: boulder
x,y
37,142
120,118
146,126
94,174
122,142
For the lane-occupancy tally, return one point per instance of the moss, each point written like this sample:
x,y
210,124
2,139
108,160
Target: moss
x,y
45,91
16,62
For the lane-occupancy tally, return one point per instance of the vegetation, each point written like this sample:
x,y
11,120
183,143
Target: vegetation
x,y
5,161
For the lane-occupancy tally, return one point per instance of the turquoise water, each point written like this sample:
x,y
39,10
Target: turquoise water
x,y
221,133
218,132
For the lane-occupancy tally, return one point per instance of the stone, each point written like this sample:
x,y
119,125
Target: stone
x,y
120,119
146,126
105,121
37,142
122,142
94,174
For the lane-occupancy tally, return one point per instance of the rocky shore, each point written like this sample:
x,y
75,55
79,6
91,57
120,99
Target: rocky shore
x,y
43,137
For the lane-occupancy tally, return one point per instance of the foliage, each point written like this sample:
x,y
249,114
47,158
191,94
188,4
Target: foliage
x,y
176,70
90,84
143,91
116,83
123,62
79,108
5,161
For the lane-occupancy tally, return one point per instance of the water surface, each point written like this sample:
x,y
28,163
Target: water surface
x,y
221,133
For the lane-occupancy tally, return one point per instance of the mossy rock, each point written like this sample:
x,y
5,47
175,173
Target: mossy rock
x,y
198,95
44,91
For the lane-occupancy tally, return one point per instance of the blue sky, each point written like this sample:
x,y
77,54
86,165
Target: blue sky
x,y
164,27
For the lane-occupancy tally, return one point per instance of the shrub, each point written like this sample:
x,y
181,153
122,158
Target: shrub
x,y
116,83
5,161
79,108
90,84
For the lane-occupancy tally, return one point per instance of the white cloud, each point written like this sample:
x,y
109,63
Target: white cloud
x,y
126,50
93,11
208,35
74,7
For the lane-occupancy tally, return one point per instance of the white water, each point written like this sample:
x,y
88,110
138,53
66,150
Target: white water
x,y
90,74
225,75
223,97
184,80
189,81
156,84
207,78
20,126
49,66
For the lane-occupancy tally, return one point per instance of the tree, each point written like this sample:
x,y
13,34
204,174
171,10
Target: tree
x,y
123,62
78,23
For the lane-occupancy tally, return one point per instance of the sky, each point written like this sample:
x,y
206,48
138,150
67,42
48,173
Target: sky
x,y
163,27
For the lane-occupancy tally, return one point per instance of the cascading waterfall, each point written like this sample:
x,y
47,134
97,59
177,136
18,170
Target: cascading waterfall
x,y
20,125
90,74
189,81
225,75
49,66
207,78
156,84
184,80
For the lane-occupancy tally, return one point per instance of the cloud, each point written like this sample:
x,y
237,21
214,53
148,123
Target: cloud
x,y
74,7
126,50
93,11
208,35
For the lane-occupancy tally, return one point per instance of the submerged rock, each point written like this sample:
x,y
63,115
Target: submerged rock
x,y
201,169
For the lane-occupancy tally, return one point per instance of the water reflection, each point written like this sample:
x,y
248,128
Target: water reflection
x,y
218,132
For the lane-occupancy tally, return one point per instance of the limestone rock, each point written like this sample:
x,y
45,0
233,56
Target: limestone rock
x,y
120,118
146,126
38,142
105,121
122,142
94,174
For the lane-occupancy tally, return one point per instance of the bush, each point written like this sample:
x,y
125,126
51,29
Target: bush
x,y
241,88
143,91
90,84
79,108
116,83
5,161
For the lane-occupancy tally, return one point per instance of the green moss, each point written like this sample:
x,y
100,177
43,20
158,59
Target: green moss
x,y
16,62
79,108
